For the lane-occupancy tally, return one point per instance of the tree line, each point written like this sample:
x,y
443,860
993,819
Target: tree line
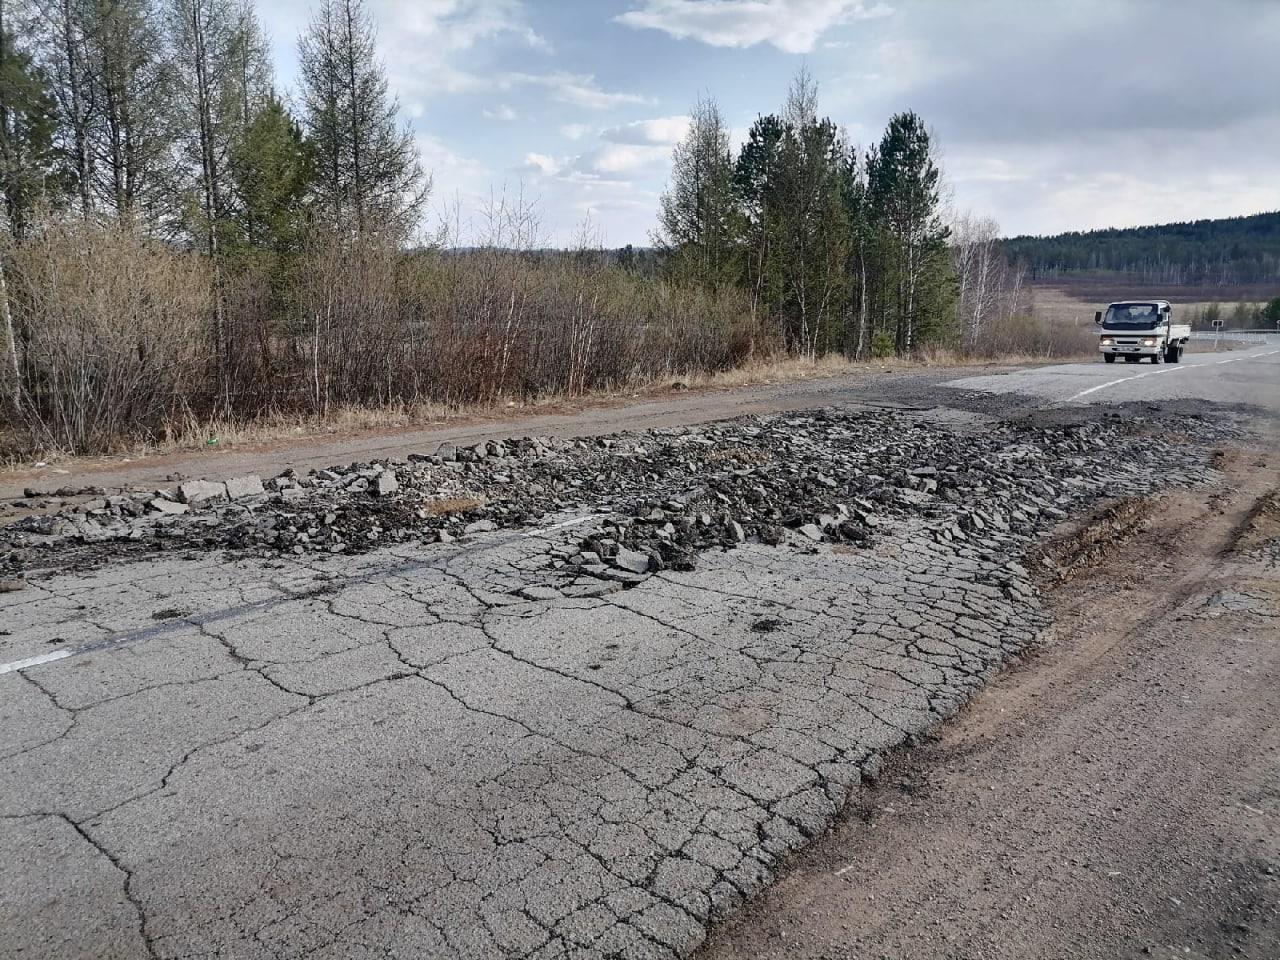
x,y
1227,252
840,249
184,245
163,114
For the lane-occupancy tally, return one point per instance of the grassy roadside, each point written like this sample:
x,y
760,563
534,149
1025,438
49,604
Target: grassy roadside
x,y
272,428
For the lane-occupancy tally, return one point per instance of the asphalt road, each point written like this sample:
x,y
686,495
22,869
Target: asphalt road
x,y
399,755
1249,376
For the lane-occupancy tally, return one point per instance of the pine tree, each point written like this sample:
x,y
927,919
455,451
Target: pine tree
x,y
853,189
270,173
813,235
30,170
368,176
756,184
696,215
904,201
789,179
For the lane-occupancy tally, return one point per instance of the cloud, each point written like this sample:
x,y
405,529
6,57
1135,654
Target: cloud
x,y
666,131
616,159
579,89
575,131
1071,71
793,26
540,164
500,112
449,29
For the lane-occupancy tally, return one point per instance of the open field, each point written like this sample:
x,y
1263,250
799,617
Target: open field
x,y
1105,289
1076,304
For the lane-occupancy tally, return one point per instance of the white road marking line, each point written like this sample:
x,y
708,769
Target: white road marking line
x,y
843,870
1112,383
126,637
34,661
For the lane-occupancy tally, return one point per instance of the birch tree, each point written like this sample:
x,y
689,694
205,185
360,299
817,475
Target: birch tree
x,y
696,213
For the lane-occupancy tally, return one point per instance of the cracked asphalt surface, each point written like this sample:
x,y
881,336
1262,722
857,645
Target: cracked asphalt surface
x,y
397,754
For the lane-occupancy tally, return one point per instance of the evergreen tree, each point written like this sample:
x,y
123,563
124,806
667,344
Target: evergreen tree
x,y
696,213
30,170
857,341
756,184
904,203
812,227
368,177
789,178
1271,313
271,172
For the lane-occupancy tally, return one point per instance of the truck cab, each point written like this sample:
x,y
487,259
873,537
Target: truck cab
x,y
1138,329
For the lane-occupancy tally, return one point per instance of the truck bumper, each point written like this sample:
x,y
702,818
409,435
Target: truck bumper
x,y
1130,349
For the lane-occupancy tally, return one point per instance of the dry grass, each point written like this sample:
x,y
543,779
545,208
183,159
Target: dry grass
x,y
1059,305
270,428
438,508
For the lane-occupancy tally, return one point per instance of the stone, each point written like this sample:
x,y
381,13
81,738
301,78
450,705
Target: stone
x,y
196,492
386,484
811,530
11,586
250,486
632,560
169,507
289,494
736,533
480,526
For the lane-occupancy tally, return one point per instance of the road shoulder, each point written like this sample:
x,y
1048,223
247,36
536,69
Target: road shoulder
x,y
1115,795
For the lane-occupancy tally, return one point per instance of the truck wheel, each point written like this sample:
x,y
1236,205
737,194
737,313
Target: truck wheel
x,y
1171,354
1108,358
1157,357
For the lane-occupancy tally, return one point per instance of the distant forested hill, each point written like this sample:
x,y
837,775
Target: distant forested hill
x,y
1229,252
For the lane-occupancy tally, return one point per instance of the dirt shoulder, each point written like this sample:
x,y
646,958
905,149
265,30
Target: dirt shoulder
x,y
1116,795
669,408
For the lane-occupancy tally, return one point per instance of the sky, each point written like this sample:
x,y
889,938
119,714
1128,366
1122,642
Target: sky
x,y
1050,115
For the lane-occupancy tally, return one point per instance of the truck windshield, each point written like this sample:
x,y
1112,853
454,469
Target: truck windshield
x,y
1132,315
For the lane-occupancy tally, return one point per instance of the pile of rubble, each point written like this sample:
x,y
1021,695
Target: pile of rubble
x,y
666,494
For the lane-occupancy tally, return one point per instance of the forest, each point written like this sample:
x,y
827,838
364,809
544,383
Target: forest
x,y
1234,251
185,245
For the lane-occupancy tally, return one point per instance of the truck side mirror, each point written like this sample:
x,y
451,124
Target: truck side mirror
x,y
1097,316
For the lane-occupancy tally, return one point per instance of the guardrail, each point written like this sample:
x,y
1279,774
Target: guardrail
x,y
1249,336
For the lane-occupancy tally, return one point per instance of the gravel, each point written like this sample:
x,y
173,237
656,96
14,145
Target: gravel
x,y
665,495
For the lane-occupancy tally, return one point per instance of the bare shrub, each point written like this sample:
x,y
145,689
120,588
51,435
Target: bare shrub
x,y
111,331
1026,335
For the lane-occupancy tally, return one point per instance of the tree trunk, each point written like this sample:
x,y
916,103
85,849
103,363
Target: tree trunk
x,y
357,173
11,342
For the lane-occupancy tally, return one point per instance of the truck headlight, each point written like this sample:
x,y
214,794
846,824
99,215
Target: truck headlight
x,y
1148,343
1107,341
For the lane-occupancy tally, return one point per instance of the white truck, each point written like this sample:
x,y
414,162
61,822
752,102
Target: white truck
x,y
1135,329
